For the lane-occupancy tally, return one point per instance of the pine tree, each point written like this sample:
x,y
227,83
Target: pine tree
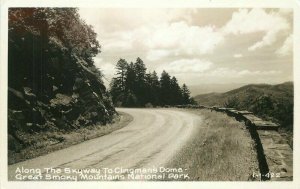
x,y
140,73
185,94
121,73
165,85
134,87
176,96
131,99
117,86
148,89
152,87
115,92
155,87
130,78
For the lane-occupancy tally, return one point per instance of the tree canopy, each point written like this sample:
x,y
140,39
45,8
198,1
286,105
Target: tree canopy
x,y
133,86
47,38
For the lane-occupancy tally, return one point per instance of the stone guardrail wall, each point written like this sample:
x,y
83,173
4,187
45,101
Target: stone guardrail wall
x,y
275,156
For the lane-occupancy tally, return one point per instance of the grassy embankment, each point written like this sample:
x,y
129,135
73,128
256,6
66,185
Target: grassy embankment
x,y
270,102
44,143
220,150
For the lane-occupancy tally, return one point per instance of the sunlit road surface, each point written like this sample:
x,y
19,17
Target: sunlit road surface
x,y
150,140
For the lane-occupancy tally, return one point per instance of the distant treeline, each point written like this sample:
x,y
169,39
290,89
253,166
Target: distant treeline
x,y
133,87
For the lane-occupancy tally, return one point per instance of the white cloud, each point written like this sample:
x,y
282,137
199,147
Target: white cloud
x,y
267,40
157,54
166,39
164,35
237,55
187,66
178,37
287,47
117,45
105,67
108,69
258,20
184,38
231,73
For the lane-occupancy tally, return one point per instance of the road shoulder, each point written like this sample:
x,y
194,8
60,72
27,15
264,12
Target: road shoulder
x,y
221,150
45,143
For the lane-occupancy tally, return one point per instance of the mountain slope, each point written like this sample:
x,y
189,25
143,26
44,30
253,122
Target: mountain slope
x,y
273,102
53,84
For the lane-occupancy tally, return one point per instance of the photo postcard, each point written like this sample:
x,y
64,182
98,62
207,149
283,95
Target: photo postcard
x,y
149,94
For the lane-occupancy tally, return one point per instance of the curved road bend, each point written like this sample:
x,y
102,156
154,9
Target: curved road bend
x,y
151,139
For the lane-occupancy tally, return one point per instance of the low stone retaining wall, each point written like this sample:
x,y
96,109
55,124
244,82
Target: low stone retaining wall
x,y
275,156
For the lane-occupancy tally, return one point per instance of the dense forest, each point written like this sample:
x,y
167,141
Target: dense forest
x,y
53,83
134,87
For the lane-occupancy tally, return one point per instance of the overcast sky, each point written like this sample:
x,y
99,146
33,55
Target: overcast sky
x,y
217,46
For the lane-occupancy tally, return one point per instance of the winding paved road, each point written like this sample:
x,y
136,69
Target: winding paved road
x,y
151,139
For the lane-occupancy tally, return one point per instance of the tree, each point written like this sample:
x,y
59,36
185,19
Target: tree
x,y
155,87
264,105
176,97
118,84
121,73
51,52
185,94
152,89
50,40
140,73
165,85
232,102
116,92
130,78
134,87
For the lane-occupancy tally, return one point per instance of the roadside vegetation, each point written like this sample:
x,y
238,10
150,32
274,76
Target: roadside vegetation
x,y
220,150
53,84
270,102
44,143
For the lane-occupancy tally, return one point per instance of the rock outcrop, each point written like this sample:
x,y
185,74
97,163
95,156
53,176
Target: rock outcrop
x,y
53,83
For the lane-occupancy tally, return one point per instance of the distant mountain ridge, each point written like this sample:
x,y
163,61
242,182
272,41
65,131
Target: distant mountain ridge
x,y
269,101
213,87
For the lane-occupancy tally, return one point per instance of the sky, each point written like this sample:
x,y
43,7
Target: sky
x,y
197,46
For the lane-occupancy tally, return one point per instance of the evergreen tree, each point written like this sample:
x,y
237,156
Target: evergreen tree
x,y
175,91
130,78
148,89
116,92
185,95
130,87
165,85
152,87
155,87
121,73
139,87
117,86
134,87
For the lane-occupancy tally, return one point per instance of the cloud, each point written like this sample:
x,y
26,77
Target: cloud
x,y
166,39
153,55
231,73
237,56
267,40
106,68
196,45
247,21
187,66
184,38
287,47
117,45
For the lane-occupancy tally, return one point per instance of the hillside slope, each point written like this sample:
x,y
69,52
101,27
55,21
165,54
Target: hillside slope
x,y
273,102
52,81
